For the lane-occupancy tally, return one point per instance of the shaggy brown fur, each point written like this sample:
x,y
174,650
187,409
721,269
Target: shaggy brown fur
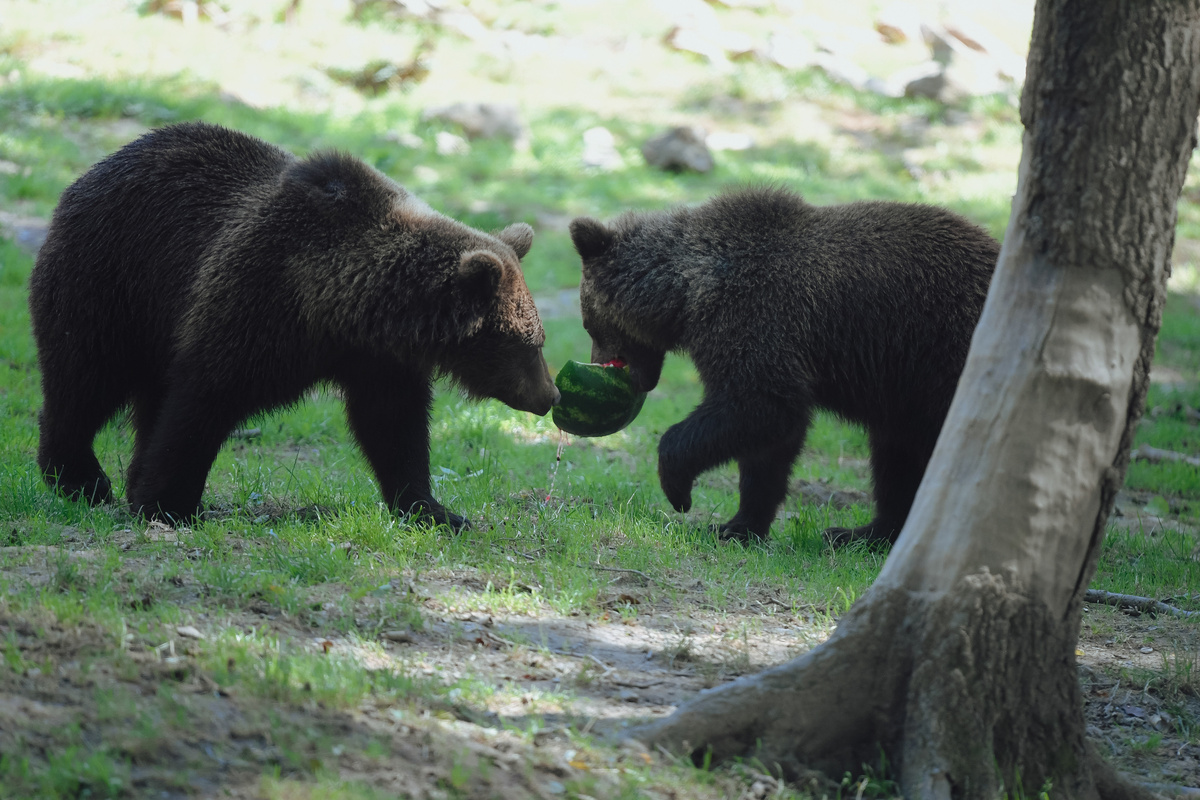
x,y
204,276
864,309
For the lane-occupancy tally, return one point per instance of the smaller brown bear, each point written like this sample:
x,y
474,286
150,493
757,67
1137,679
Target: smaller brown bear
x,y
865,309
204,276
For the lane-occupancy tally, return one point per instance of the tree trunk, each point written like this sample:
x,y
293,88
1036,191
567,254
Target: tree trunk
x,y
959,662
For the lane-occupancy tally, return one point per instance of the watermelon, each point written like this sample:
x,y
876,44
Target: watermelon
x,y
597,399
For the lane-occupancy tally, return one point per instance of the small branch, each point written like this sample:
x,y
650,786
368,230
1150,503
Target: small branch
x,y
621,569
1156,456
629,572
1144,604
794,609
633,685
529,556
607,669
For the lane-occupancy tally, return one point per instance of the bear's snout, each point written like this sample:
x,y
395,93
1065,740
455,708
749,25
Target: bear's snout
x,y
540,404
523,383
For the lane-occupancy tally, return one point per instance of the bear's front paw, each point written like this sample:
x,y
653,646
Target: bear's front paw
x,y
456,522
94,491
736,531
873,533
677,488
429,511
165,510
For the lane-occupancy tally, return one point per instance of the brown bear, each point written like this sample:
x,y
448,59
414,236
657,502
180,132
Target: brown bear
x,y
864,309
203,276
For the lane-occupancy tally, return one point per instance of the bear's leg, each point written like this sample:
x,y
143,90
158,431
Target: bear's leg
x,y
72,414
720,429
762,486
898,463
168,472
388,411
147,405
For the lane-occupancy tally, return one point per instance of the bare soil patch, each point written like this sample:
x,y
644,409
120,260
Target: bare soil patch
x,y
148,697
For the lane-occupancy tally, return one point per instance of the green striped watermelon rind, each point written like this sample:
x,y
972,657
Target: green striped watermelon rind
x,y
597,400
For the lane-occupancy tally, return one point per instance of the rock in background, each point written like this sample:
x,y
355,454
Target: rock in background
x,y
482,120
600,150
28,233
678,150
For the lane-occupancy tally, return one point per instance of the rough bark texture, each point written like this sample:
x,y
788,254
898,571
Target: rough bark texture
x,y
1111,202
960,660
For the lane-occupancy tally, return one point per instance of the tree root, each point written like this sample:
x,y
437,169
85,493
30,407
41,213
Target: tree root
x,y
1111,785
970,694
815,712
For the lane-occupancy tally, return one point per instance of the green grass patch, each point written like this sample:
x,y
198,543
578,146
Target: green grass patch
x,y
1155,564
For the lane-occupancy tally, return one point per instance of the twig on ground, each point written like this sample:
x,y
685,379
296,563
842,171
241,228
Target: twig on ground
x,y
632,685
794,609
528,556
498,638
1147,605
607,669
630,572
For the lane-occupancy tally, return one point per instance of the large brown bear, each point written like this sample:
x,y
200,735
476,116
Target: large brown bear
x,y
865,309
204,276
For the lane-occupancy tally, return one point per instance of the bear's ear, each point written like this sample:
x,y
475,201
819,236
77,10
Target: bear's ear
x,y
519,237
335,182
479,275
591,237
335,190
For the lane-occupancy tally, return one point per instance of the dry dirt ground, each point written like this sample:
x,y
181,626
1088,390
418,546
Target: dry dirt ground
x,y
154,702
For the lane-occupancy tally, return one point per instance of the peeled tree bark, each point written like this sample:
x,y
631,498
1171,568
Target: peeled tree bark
x,y
960,661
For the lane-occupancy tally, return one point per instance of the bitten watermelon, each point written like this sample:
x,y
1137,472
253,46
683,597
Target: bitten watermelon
x,y
597,399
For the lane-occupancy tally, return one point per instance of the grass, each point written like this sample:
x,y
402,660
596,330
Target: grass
x,y
301,548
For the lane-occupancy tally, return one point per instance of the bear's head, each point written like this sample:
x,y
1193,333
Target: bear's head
x,y
629,304
502,356
378,268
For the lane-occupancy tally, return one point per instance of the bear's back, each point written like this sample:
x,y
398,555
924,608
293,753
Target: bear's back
x,y
773,235
144,215
871,304
127,237
916,278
